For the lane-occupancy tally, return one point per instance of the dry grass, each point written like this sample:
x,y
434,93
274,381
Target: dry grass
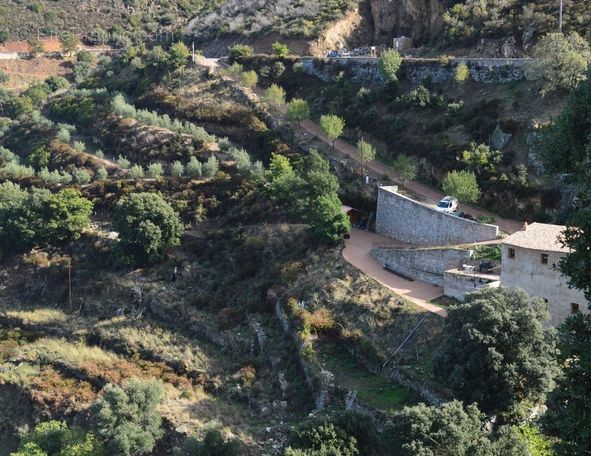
x,y
43,316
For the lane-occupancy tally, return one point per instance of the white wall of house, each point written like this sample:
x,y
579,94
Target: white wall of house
x,y
525,269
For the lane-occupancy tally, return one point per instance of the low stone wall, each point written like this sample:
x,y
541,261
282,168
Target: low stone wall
x,y
405,220
457,285
365,70
426,265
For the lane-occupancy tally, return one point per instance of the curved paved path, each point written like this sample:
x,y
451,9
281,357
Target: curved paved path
x,y
357,252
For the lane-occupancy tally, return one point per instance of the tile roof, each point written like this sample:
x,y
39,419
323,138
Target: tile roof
x,y
539,236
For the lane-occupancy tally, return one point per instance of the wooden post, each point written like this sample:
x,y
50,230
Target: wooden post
x,y
193,50
560,17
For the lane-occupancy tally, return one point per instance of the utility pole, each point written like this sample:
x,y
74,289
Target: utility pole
x,y
70,283
193,50
560,17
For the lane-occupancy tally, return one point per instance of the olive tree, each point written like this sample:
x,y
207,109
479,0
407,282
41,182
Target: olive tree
x,y
332,127
147,226
298,110
126,418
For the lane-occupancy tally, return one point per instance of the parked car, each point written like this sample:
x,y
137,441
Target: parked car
x,y
448,204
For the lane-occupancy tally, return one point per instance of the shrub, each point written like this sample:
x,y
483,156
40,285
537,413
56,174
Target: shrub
x,y
6,156
82,176
99,154
242,160
240,50
390,63
212,443
155,170
274,95
63,135
462,73
179,55
249,78
194,168
123,162
280,49
405,167
136,172
102,174
177,169
79,146
211,166
462,185
56,83
147,226
126,419
54,438
298,110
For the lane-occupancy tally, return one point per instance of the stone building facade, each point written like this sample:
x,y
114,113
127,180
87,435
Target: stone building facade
x,y
529,261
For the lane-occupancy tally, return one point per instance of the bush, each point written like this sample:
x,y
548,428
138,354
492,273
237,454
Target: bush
x,y
155,170
211,167
123,162
462,73
194,168
177,169
147,226
298,110
79,146
82,176
249,79
390,63
179,55
274,95
102,174
63,135
136,172
462,185
280,50
240,50
213,443
126,419
54,438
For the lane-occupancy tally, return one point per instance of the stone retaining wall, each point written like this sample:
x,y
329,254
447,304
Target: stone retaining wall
x,y
426,265
405,220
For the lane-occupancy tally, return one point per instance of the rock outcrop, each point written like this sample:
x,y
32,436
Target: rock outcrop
x,y
421,20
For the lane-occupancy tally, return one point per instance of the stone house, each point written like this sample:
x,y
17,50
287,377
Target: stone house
x,y
529,261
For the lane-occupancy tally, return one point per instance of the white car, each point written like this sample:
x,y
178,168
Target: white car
x,y
448,204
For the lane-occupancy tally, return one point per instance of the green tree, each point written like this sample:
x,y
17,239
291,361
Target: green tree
x,y
274,95
249,78
213,443
366,153
147,226
126,419
280,49
69,42
67,214
332,127
211,167
4,78
179,55
54,438
240,50
462,73
479,158
194,168
155,170
497,351
390,63
298,110
561,61
405,167
82,71
568,405
448,430
38,157
328,222
323,440
462,185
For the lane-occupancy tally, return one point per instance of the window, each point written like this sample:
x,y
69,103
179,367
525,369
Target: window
x,y
544,258
574,308
511,253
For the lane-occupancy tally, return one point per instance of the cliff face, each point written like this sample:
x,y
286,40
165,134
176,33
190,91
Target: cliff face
x,y
419,19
